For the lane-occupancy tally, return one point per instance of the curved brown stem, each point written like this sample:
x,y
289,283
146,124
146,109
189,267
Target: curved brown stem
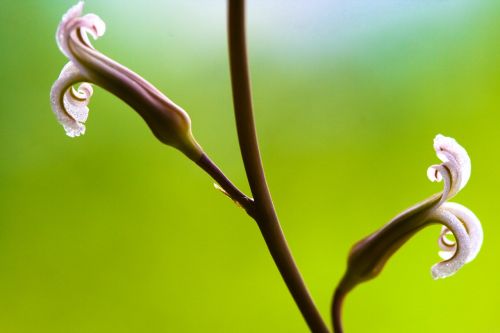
x,y
336,310
265,214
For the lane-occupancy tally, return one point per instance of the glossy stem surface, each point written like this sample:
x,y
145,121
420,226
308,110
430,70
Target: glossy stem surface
x,y
265,214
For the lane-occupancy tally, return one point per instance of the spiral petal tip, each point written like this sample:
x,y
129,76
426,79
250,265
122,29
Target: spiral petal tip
x,y
456,163
433,174
87,24
472,225
466,228
69,104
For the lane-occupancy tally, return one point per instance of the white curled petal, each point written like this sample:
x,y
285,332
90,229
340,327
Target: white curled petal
x,y
439,172
434,173
63,29
448,247
455,159
444,242
72,21
76,101
70,105
472,225
446,255
93,25
460,256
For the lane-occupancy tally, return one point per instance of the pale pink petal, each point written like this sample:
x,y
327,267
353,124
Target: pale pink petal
x,y
69,104
463,250
471,224
455,160
73,22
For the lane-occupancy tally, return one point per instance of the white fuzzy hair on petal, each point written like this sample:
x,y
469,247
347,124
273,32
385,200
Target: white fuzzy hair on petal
x,y
466,228
471,224
463,249
69,104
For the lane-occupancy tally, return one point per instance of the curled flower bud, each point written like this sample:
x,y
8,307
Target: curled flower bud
x,y
368,257
168,121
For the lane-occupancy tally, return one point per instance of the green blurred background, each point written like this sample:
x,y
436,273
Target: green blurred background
x,y
114,232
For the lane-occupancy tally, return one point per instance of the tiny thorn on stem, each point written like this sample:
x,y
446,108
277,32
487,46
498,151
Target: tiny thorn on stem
x,y
219,188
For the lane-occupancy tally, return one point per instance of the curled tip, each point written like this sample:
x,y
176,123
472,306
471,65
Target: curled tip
x,y
464,225
472,226
72,21
434,173
456,165
70,104
74,12
460,253
446,244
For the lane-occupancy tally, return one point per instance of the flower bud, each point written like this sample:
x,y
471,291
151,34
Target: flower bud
x,y
168,122
368,257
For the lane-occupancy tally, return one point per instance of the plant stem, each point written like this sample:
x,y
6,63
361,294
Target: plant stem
x,y
265,214
338,300
231,190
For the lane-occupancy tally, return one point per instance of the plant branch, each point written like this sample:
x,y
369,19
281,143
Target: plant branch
x,y
336,310
230,189
265,214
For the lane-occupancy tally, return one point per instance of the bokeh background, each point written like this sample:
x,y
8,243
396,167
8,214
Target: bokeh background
x,y
114,232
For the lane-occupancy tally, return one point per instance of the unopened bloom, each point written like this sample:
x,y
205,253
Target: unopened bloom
x,y
168,121
369,255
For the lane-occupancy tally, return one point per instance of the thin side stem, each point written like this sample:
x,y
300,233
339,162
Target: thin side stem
x,y
336,310
265,214
231,190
